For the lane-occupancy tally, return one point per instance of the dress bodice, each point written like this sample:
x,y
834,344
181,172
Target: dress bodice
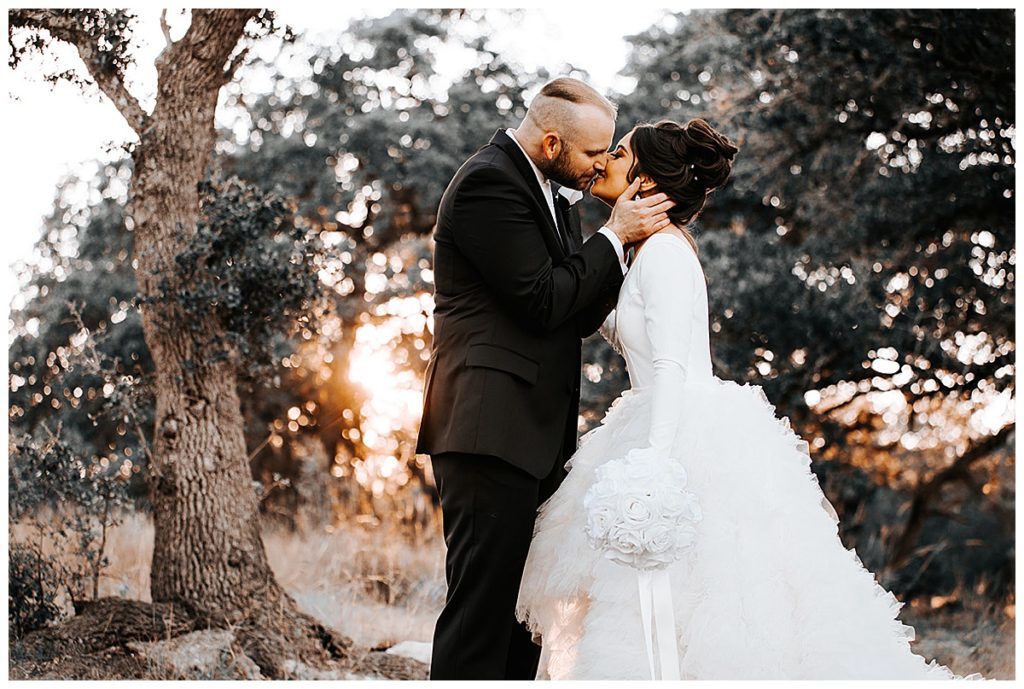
x,y
662,313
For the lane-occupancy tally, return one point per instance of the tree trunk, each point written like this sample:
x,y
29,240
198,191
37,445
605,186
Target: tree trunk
x,y
208,554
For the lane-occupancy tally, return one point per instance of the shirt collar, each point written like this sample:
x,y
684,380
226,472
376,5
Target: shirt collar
x,y
571,195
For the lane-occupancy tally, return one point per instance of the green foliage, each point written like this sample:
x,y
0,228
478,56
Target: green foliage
x,y
370,115
250,272
109,30
31,588
68,504
77,356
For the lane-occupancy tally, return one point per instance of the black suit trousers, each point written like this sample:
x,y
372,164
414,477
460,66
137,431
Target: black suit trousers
x,y
488,509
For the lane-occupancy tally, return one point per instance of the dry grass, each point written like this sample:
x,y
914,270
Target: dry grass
x,y
129,550
372,584
376,586
972,635
369,583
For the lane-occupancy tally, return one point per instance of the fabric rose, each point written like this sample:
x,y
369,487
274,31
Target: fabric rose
x,y
601,518
624,539
636,512
660,537
675,505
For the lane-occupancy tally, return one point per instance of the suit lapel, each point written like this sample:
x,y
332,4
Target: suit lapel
x,y
570,221
512,150
575,227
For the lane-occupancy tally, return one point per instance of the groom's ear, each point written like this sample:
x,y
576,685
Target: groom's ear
x,y
551,145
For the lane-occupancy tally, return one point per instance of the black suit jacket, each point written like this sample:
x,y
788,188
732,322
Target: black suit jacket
x,y
510,311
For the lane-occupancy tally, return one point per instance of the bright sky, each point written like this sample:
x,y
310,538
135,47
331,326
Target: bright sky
x,y
59,130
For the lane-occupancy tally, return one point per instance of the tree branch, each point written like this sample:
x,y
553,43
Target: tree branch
x,y
165,27
928,490
62,26
212,37
235,63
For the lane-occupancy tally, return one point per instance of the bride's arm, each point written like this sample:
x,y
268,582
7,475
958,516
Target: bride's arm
x,y
668,291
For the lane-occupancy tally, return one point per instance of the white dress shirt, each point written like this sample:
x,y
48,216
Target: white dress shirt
x,y
571,195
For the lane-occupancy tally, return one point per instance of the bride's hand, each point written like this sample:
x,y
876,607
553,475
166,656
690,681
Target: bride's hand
x,y
635,219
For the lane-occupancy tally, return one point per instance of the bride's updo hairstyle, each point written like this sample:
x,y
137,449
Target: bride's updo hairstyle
x,y
685,162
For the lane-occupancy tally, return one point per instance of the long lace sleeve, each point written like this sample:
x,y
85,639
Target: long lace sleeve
x,y
667,288
608,331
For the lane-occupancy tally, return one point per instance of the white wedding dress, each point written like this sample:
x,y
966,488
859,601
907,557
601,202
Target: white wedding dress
x,y
767,591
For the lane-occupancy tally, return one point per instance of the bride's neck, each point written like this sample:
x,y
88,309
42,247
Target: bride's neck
x,y
636,245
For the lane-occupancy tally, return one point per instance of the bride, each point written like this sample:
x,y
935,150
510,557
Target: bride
x,y
767,590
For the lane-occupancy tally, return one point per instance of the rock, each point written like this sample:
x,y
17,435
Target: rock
x,y
296,669
206,654
391,666
417,650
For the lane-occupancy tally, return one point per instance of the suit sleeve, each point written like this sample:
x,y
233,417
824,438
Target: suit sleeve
x,y
592,317
496,230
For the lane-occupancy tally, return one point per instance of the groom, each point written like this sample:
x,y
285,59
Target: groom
x,y
516,289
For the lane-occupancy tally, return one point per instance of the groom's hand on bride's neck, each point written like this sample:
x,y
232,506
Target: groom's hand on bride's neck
x,y
635,219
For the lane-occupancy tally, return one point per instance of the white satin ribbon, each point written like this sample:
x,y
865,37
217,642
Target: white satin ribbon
x,y
656,611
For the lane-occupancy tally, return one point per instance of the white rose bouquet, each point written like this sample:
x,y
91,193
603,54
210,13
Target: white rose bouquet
x,y
638,511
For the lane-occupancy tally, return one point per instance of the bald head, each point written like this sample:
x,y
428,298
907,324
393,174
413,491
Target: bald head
x,y
566,106
567,131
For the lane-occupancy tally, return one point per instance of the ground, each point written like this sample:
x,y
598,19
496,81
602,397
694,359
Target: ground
x,y
381,589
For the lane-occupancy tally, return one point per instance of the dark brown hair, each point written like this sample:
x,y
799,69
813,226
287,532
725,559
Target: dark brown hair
x,y
685,162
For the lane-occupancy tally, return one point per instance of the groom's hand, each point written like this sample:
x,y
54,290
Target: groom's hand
x,y
632,220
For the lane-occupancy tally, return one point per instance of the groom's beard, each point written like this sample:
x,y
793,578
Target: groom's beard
x,y
560,171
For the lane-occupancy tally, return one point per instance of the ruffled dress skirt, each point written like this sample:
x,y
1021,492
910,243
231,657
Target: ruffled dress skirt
x,y
767,591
